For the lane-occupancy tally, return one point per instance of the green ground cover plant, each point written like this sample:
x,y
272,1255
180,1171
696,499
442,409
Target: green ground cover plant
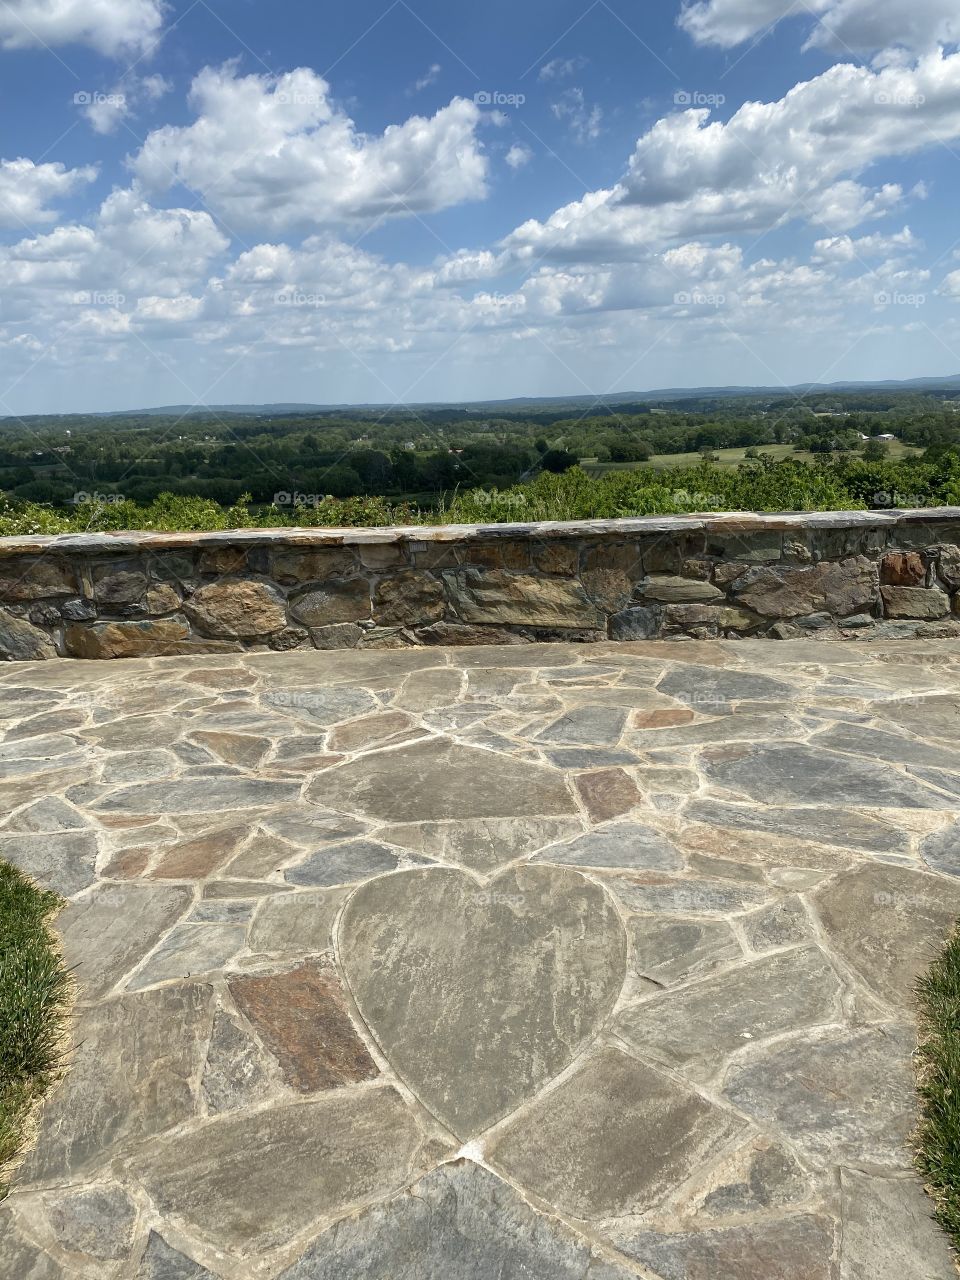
x,y
938,1070
35,993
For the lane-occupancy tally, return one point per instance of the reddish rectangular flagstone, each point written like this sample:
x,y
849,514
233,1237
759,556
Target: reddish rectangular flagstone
x,y
607,793
200,857
302,1018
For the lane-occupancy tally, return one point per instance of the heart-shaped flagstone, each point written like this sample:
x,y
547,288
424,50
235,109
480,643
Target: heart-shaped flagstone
x,y
478,994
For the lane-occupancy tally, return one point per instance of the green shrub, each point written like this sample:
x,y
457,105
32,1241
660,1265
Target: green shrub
x,y
834,482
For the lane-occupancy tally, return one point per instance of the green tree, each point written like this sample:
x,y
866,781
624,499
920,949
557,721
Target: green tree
x,y
874,451
558,461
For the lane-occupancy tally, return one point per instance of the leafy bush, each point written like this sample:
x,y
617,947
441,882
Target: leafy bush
x,y
838,482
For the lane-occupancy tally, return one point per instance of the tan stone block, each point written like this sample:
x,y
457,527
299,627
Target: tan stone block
x,y
237,610
915,602
125,639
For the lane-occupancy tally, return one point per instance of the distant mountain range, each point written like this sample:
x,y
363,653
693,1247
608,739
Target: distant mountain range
x,y
949,385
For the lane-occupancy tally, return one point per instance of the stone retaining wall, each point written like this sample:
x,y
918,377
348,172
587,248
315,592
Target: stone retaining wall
x,y
843,575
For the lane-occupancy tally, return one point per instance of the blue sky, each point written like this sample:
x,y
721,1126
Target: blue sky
x,y
389,202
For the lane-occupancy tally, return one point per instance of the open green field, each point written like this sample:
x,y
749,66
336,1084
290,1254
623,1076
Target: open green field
x,y
896,450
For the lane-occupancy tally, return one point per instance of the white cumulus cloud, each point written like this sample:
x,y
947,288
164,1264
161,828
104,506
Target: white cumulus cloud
x,y
27,189
128,249
847,249
112,27
799,157
518,156
277,153
842,26
107,111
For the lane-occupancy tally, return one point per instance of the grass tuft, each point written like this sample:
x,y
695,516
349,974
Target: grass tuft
x,y
35,993
938,1082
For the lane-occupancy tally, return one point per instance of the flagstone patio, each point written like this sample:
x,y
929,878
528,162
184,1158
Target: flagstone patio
x,y
548,962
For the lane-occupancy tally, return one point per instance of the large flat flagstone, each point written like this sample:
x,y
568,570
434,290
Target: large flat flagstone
x,y
247,1183
132,1075
62,861
458,1223
940,778
607,793
480,844
669,950
725,728
190,949
320,706
695,1029
762,1174
843,828
297,923
441,779
15,754
216,794
20,1258
237,1072
878,744
709,689
841,1096
343,863
613,1139
888,1231
796,1248
51,814
140,766
621,844
888,923
478,995
94,1224
586,725
787,773
200,857
131,733
783,924
933,716
114,927
432,687
941,851
161,1261
687,896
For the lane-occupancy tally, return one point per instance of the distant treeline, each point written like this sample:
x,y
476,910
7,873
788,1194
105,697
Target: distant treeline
x,y
421,456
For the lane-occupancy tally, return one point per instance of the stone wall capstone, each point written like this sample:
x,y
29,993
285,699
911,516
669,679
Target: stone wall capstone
x,y
826,575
